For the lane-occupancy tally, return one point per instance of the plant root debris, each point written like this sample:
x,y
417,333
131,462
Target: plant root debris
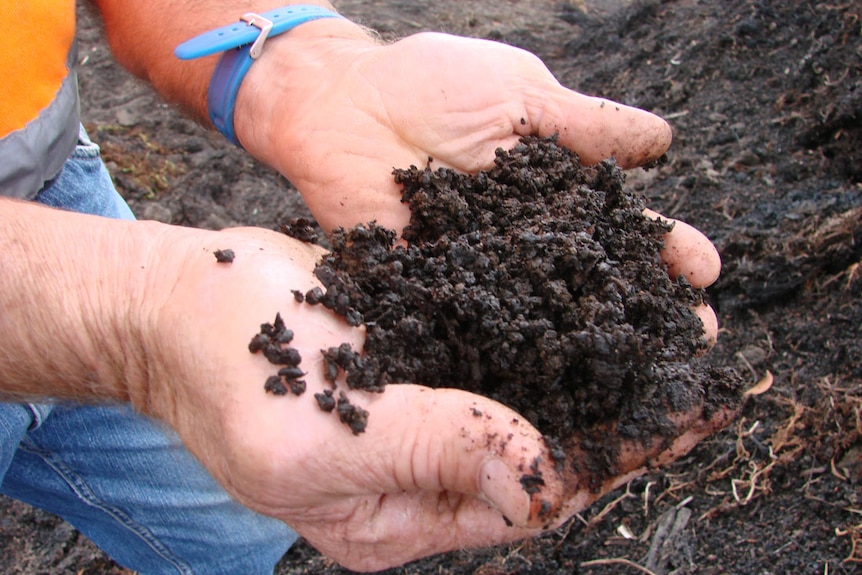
x,y
538,283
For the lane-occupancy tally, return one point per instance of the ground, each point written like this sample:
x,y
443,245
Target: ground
x,y
765,100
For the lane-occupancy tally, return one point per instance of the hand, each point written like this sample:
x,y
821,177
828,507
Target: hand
x,y
689,253
342,111
336,114
435,470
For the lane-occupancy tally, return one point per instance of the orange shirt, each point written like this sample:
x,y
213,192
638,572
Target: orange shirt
x,y
35,40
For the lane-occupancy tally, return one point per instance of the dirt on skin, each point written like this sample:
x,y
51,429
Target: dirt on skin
x,y
765,100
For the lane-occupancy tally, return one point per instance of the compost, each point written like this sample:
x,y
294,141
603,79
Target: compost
x,y
538,283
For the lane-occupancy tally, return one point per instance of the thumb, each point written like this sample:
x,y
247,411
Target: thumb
x,y
597,128
449,440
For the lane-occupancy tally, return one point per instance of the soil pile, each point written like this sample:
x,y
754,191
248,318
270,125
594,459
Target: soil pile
x,y
538,283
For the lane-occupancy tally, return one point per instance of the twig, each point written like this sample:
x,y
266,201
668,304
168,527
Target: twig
x,y
855,533
610,506
646,498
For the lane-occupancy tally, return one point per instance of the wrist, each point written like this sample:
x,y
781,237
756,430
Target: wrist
x,y
288,79
145,286
241,45
119,297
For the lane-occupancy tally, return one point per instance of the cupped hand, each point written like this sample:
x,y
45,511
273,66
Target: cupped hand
x,y
435,469
341,113
344,111
336,112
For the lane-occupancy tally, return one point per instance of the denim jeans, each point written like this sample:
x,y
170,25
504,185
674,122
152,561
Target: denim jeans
x,y
122,479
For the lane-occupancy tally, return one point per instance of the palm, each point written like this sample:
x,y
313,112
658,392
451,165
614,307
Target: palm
x,y
423,478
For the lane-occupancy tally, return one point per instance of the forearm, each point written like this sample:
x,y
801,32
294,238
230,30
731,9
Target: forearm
x,y
143,35
67,293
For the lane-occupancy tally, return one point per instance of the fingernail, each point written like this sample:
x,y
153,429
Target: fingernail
x,y
501,488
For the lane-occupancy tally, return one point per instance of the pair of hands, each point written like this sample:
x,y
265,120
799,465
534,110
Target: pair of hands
x,y
427,475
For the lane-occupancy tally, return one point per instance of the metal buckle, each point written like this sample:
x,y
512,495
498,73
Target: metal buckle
x,y
265,26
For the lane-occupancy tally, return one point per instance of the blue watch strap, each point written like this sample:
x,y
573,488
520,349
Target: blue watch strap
x,y
242,43
224,87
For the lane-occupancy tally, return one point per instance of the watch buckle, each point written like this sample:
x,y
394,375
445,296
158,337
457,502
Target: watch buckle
x,y
264,25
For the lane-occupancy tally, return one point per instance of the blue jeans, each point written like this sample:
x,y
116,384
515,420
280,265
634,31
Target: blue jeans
x,y
122,479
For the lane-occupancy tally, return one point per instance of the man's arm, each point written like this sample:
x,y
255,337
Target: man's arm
x,y
69,286
88,305
143,36
93,308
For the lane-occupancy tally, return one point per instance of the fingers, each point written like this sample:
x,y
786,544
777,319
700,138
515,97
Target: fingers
x,y
597,128
710,323
453,441
435,470
689,253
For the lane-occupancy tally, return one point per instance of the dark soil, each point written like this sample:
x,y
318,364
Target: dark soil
x,y
224,256
765,99
540,271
